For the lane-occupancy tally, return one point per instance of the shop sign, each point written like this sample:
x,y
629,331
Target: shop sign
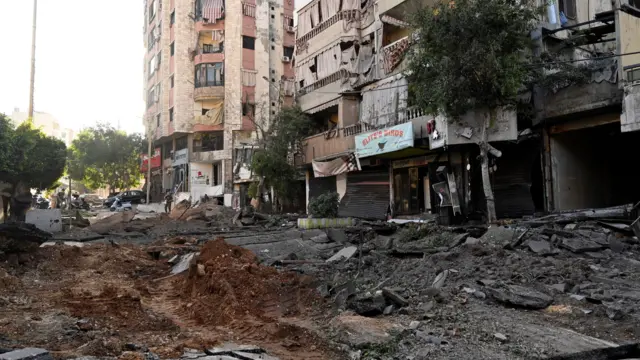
x,y
413,162
156,160
385,140
180,157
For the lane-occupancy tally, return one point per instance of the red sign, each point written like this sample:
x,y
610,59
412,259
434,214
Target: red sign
x,y
156,160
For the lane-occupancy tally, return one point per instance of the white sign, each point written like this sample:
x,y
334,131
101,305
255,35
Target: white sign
x,y
180,157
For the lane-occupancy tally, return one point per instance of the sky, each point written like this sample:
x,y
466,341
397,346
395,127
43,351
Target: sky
x,y
89,60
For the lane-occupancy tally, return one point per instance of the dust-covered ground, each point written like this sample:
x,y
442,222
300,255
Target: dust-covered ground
x,y
408,292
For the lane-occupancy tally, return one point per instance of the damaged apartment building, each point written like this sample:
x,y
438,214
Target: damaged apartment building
x,y
213,69
385,157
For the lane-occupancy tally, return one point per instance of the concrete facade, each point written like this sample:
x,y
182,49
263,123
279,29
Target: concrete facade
x,y
215,104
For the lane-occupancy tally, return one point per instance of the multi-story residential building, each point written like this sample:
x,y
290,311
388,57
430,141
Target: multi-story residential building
x,y
49,125
384,156
213,69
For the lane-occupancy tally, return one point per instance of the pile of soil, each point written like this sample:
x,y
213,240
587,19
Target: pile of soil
x,y
226,283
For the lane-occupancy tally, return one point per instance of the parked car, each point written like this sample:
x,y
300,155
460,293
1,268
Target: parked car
x,y
132,196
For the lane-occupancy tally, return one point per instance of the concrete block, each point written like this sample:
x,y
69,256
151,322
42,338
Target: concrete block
x,y
325,223
27,354
47,219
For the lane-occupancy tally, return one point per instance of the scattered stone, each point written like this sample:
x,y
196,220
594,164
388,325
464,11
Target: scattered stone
x,y
84,325
501,337
440,279
472,241
570,226
27,354
429,339
323,290
562,287
344,254
394,297
337,235
355,355
414,325
577,297
616,245
586,311
201,270
321,239
499,235
486,282
251,356
539,247
367,304
183,264
614,312
468,290
426,307
458,240
383,242
480,294
359,331
229,348
388,310
520,296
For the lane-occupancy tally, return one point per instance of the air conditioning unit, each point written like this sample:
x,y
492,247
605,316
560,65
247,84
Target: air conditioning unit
x,y
286,59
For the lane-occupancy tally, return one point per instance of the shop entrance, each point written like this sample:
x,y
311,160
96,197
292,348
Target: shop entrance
x,y
411,190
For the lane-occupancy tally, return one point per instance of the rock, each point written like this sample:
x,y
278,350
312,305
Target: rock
x,y
414,325
577,297
388,310
367,305
84,325
613,311
248,356
616,245
521,296
471,241
458,240
323,290
428,338
539,247
201,270
359,331
27,354
321,239
499,235
578,245
344,254
383,242
570,226
183,264
229,348
562,287
486,282
479,294
500,336
337,235
394,297
597,237
426,307
355,355
440,279
468,290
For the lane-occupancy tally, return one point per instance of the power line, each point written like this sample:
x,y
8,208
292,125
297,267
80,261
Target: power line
x,y
537,64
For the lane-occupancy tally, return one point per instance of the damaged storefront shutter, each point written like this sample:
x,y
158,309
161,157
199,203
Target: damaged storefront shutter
x,y
367,195
513,179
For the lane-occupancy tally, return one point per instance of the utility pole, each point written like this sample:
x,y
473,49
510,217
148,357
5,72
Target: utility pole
x,y
33,59
149,160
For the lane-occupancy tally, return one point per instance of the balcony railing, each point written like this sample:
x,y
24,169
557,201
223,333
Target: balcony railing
x,y
342,15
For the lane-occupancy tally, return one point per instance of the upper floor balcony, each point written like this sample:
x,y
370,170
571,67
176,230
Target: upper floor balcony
x,y
209,81
208,12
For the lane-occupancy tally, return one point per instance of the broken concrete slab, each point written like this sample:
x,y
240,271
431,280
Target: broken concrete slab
x,y
321,239
579,245
337,235
229,348
367,304
394,297
520,296
471,241
499,235
359,331
539,247
183,263
241,355
440,279
383,242
27,354
105,225
65,243
344,254
458,240
562,287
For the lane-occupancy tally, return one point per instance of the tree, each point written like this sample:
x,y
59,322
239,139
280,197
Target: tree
x,y
29,159
104,156
276,139
473,55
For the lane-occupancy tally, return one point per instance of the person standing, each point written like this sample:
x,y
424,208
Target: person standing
x,y
168,199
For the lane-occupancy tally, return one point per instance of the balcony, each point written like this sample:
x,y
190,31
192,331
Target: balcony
x,y
399,8
202,156
213,91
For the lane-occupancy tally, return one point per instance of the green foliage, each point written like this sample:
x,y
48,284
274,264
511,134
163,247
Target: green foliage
x,y
28,156
103,156
271,163
472,54
253,190
325,205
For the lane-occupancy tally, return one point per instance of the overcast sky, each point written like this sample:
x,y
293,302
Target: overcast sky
x,y
89,60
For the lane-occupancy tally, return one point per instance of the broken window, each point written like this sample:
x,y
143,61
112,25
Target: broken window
x,y
173,18
173,48
288,51
209,141
248,42
568,7
209,75
248,109
181,143
212,48
217,174
171,115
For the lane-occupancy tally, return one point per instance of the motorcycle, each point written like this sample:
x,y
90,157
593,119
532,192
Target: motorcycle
x,y
80,204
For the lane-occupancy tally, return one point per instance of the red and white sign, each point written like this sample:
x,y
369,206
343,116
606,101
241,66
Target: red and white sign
x,y
156,160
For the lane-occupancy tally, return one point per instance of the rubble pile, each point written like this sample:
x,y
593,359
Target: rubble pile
x,y
447,293
225,283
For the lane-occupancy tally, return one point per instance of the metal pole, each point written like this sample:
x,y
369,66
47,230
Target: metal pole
x,y
149,161
33,59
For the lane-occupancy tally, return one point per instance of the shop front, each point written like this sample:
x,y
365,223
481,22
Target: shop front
x,y
180,167
155,183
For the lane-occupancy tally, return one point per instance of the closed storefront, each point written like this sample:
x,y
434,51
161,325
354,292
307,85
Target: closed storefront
x,y
367,194
321,185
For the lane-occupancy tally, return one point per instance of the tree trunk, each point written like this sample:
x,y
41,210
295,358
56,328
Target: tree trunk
x,y
484,159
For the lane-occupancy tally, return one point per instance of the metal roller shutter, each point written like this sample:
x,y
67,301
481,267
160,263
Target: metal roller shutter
x,y
367,195
512,182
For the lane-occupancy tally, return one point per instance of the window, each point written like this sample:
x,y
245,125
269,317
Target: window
x,y
173,18
568,7
181,143
248,43
217,174
209,141
171,115
248,109
209,75
171,81
166,150
204,111
152,11
151,40
173,48
288,51
158,120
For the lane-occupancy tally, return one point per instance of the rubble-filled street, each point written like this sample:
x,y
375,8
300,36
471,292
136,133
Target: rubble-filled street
x,y
215,288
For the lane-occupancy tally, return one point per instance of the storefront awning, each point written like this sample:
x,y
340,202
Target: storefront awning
x,y
212,10
323,106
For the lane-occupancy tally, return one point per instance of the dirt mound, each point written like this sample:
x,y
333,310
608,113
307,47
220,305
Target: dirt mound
x,y
226,283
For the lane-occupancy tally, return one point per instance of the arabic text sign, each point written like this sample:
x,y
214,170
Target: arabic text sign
x,y
385,140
